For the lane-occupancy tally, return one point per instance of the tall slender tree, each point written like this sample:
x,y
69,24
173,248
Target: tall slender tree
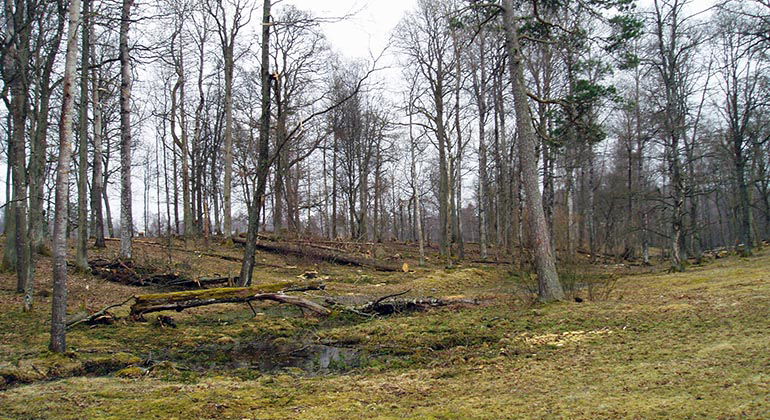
x,y
81,256
59,303
549,287
126,216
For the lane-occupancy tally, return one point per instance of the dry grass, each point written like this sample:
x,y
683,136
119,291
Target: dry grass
x,y
685,345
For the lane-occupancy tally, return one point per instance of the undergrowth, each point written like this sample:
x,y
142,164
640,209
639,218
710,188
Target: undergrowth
x,y
680,345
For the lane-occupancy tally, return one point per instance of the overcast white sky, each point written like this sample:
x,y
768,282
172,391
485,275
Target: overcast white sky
x,y
368,30
370,27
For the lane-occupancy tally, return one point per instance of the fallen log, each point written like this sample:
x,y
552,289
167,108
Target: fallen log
x,y
479,261
179,301
127,273
200,253
321,254
94,318
395,306
387,305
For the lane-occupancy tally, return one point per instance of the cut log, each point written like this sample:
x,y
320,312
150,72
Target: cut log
x,y
321,254
179,301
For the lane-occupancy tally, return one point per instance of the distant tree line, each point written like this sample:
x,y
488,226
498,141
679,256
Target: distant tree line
x,y
533,130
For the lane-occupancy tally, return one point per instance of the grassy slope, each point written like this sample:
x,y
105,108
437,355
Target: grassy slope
x,y
676,346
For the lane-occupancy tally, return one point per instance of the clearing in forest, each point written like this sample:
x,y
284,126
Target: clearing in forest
x,y
641,344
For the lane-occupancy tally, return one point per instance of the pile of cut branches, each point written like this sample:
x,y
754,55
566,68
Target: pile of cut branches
x,y
126,272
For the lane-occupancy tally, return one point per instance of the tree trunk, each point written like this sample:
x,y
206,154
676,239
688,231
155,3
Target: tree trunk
x,y
187,209
126,217
108,211
228,175
19,117
263,157
414,180
744,203
9,251
479,78
549,288
81,255
98,176
59,305
37,162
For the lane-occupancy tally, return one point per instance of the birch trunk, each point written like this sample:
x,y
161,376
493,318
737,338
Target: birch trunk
x,y
59,305
126,217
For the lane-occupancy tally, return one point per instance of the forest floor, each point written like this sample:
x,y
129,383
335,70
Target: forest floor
x,y
641,344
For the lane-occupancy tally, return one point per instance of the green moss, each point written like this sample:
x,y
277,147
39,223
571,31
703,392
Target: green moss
x,y
221,292
678,345
130,372
54,366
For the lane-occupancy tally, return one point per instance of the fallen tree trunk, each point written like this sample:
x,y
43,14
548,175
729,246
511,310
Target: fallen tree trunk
x,y
179,301
199,253
321,254
127,273
491,262
394,306
101,316
387,305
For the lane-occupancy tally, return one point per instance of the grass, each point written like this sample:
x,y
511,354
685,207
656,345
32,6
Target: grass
x,y
682,345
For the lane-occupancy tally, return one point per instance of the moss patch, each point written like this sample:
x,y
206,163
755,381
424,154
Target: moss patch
x,y
678,345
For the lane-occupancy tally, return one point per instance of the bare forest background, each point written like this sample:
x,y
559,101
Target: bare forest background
x,y
532,131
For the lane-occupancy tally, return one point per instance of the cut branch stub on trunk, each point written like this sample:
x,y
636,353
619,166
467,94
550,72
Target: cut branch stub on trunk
x,y
179,301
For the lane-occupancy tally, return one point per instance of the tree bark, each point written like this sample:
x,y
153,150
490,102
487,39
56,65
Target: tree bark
x,y
263,157
97,186
81,254
229,65
59,305
178,301
126,217
16,74
549,288
479,78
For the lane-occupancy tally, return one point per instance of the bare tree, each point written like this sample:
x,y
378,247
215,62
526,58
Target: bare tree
x,y
81,256
263,150
674,45
426,42
230,16
740,79
59,305
97,183
126,217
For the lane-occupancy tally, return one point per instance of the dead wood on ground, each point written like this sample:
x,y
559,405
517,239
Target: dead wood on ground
x,y
128,273
179,301
321,254
102,316
388,305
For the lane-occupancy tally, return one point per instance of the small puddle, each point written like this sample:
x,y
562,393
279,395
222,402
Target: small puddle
x,y
312,358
